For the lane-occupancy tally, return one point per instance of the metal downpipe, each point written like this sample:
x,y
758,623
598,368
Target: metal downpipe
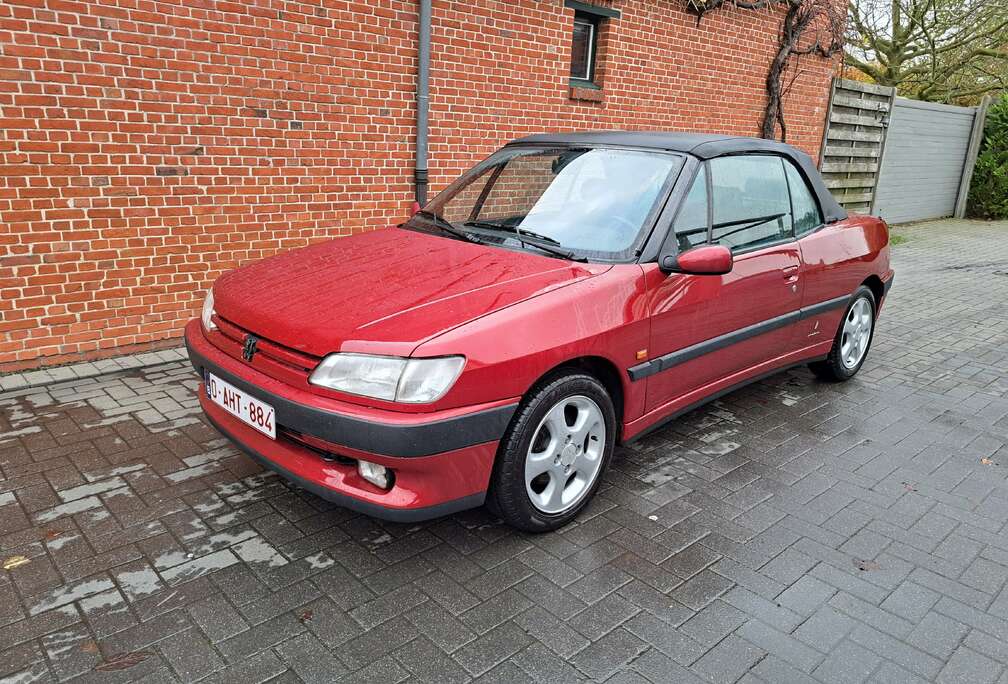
x,y
420,175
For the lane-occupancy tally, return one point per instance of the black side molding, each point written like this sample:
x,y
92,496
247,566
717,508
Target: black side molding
x,y
715,396
402,515
823,307
403,441
672,359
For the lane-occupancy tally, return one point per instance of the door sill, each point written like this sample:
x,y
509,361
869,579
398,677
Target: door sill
x,y
662,415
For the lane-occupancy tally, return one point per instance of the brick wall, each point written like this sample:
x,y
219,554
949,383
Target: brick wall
x,y
145,147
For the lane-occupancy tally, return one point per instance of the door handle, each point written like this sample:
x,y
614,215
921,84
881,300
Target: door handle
x,y
790,274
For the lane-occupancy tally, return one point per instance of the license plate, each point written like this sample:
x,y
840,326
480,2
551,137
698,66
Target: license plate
x,y
249,410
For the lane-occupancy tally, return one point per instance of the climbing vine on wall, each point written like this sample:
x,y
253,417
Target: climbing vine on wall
x,y
810,27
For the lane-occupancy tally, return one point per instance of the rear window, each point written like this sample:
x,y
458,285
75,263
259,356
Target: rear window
x,y
804,208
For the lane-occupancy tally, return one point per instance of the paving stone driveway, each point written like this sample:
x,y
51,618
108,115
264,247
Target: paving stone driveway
x,y
793,531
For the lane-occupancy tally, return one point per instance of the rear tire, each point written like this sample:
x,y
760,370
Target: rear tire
x,y
852,341
551,459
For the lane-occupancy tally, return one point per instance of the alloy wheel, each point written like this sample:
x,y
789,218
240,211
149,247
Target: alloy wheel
x,y
857,331
565,455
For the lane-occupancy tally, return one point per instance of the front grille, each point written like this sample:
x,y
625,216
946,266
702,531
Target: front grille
x,y
271,358
321,447
234,339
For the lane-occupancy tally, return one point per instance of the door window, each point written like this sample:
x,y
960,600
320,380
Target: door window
x,y
692,222
751,204
804,208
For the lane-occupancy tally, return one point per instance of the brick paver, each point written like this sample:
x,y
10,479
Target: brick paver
x,y
792,531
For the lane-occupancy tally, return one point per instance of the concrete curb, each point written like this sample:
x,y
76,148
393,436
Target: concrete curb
x,y
88,369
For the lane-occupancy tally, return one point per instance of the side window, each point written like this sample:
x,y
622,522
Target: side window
x,y
691,222
804,208
750,200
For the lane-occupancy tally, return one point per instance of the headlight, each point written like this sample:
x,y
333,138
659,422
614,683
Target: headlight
x,y
208,312
413,381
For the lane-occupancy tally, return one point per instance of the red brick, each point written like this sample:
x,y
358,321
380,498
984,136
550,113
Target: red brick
x,y
104,253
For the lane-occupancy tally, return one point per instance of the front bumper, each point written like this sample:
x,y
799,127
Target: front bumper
x,y
442,461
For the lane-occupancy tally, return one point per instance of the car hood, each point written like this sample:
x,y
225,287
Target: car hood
x,y
384,291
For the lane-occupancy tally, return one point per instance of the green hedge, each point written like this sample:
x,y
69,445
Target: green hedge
x,y
988,196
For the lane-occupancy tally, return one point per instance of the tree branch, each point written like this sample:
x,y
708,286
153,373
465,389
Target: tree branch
x,y
928,48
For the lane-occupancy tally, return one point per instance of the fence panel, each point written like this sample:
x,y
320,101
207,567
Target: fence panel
x,y
925,157
854,141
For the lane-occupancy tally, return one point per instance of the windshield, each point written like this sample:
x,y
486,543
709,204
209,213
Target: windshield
x,y
584,202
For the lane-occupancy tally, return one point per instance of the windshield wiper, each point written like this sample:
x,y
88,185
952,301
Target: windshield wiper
x,y
521,232
749,223
541,242
448,227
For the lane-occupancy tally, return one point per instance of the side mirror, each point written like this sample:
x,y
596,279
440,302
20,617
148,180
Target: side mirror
x,y
702,260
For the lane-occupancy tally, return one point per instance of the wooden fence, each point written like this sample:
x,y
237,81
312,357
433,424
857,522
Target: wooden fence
x,y
901,159
854,141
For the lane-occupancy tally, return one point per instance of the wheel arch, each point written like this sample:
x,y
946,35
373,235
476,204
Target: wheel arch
x,y
603,370
874,283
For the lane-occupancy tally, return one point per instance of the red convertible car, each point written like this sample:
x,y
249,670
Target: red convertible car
x,y
569,293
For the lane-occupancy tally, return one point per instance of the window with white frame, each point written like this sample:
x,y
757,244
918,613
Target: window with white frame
x,y
583,47
587,28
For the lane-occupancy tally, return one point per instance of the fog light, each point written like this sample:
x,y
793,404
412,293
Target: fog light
x,y
378,475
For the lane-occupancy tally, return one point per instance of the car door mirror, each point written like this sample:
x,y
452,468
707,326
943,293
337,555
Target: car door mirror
x,y
702,260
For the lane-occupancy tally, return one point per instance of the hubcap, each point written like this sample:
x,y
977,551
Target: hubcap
x,y
565,455
857,332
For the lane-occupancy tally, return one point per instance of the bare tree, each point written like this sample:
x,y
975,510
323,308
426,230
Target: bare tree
x,y
940,50
810,27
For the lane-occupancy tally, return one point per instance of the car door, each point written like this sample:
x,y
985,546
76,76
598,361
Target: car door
x,y
714,330
824,255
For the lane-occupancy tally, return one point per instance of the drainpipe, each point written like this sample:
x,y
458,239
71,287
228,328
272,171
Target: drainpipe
x,y
422,102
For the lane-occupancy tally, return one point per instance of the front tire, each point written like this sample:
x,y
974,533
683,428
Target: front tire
x,y
551,459
852,341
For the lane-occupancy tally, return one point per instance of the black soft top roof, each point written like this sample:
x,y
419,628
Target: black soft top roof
x,y
702,146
